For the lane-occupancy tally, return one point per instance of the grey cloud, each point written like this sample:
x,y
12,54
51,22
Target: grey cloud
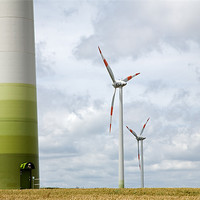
x,y
197,70
133,33
44,64
55,98
155,86
70,12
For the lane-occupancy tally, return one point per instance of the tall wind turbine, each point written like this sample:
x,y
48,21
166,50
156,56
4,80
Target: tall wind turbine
x,y
18,100
140,138
118,84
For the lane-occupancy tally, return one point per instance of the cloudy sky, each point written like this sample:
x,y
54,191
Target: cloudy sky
x,y
158,38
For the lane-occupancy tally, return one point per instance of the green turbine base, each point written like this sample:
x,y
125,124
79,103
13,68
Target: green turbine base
x,y
11,163
18,132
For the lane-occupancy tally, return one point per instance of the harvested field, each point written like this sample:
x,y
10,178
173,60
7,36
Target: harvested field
x,y
101,193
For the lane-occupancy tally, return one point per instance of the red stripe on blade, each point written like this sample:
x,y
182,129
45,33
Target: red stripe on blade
x,y
111,112
129,77
105,62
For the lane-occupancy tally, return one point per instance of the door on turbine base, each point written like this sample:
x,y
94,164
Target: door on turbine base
x,y
26,175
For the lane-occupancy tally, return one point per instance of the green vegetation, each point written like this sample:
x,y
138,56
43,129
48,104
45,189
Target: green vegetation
x,y
101,193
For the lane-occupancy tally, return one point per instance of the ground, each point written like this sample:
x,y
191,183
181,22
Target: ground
x,y
101,193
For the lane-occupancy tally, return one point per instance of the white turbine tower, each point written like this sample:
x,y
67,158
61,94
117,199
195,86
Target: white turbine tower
x,y
140,138
118,84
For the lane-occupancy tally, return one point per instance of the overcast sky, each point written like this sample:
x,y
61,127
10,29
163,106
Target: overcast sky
x,y
161,40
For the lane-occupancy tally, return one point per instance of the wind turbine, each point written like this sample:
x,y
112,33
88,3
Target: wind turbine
x,y
140,138
118,84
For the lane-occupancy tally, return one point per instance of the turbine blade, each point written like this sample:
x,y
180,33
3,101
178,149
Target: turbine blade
x,y
144,126
130,77
107,67
132,132
112,105
139,154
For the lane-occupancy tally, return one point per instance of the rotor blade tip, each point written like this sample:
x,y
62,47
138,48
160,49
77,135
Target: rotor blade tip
x,y
137,74
99,49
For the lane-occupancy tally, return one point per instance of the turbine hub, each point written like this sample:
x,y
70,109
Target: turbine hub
x,y
119,83
141,138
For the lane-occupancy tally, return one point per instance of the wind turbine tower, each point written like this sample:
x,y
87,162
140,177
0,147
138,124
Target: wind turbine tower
x,y
19,165
140,139
118,84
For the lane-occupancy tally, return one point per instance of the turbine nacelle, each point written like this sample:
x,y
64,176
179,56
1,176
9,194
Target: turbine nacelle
x,y
141,138
119,83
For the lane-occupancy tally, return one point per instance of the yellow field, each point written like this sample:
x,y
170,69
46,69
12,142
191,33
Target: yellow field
x,y
101,193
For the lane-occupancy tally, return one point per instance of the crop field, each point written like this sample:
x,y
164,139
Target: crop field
x,y
101,193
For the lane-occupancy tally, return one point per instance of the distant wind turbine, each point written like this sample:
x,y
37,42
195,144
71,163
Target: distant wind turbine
x,y
140,138
118,84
